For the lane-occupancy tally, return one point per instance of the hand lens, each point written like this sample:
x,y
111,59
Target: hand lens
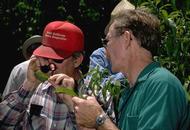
x,y
47,68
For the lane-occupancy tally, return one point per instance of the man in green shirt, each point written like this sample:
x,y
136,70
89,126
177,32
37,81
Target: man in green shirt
x,y
155,99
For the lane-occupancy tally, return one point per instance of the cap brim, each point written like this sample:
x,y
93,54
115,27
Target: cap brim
x,y
30,41
48,52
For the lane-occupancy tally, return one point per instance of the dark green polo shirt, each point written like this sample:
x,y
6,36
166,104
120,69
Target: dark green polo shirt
x,y
157,101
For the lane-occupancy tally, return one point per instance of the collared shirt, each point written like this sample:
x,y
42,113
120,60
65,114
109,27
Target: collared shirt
x,y
15,113
157,101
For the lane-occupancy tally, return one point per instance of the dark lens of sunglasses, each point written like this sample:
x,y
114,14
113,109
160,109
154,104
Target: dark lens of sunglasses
x,y
45,68
57,61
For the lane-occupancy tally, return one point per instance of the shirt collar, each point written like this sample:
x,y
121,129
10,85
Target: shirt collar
x,y
147,71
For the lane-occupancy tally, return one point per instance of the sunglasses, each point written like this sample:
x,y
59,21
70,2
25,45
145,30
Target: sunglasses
x,y
57,61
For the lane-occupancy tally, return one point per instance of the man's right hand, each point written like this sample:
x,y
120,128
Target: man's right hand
x,y
31,81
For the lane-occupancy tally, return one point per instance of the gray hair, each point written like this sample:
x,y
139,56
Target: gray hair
x,y
144,26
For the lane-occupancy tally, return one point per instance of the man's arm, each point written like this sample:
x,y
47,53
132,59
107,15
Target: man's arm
x,y
13,107
15,103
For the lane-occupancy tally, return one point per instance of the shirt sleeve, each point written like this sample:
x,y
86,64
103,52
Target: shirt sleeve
x,y
13,107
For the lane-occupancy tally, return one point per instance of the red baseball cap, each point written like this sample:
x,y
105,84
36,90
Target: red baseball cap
x,y
60,40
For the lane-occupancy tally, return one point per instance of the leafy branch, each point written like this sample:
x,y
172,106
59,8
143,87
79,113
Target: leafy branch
x,y
99,82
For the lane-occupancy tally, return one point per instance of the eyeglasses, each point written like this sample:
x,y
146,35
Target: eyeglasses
x,y
104,41
57,61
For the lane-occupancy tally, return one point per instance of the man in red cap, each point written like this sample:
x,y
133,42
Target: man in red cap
x,y
36,106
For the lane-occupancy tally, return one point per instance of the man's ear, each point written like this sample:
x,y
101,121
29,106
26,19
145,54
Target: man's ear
x,y
78,61
127,37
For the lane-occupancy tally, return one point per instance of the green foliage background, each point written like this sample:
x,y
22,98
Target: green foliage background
x,y
174,52
22,18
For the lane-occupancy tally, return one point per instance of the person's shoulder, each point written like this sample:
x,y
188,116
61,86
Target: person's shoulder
x,y
22,65
163,79
163,74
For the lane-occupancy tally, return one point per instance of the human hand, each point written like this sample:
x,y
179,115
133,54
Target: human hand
x,y
35,63
86,111
63,80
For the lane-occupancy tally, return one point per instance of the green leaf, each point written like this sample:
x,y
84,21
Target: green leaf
x,y
64,90
157,1
164,13
41,76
